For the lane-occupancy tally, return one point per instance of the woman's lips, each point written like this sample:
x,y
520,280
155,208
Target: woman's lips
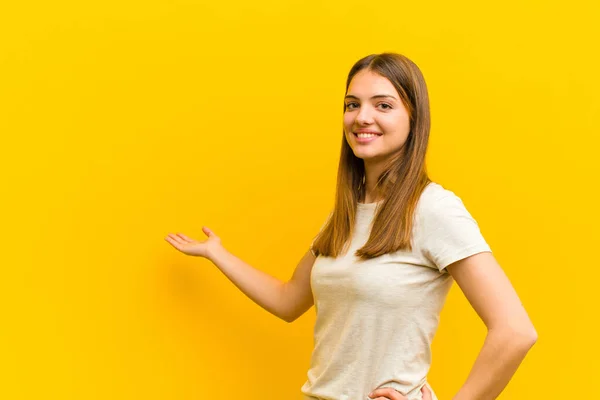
x,y
365,139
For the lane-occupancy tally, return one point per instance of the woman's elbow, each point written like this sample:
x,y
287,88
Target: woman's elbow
x,y
522,337
531,336
527,334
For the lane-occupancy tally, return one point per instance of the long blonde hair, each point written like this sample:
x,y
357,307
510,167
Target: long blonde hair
x,y
404,177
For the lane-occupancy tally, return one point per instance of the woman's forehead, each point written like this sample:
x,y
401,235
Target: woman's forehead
x,y
367,83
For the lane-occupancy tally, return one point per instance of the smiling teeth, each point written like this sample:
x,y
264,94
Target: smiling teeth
x,y
365,135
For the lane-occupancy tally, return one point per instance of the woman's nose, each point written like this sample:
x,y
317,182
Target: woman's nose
x,y
364,116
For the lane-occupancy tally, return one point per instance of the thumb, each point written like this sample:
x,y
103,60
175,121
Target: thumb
x,y
208,232
426,393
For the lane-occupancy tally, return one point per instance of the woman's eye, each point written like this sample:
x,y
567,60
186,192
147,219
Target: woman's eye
x,y
351,106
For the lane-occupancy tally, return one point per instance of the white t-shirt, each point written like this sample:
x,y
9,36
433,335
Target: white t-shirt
x,y
376,319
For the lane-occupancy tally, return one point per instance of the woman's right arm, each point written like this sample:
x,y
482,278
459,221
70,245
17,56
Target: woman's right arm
x,y
286,300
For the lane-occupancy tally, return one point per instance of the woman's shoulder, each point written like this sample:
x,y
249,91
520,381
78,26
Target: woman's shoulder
x,y
439,203
435,195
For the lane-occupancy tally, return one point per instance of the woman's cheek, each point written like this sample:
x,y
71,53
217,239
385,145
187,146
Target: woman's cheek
x,y
348,121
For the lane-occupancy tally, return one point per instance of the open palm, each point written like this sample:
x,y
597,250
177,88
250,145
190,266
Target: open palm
x,y
193,247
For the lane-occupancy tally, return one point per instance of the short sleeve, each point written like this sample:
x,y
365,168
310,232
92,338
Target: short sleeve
x,y
448,232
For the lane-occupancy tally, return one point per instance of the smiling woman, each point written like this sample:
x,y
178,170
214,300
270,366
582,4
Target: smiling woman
x,y
380,269
390,250
362,111
396,112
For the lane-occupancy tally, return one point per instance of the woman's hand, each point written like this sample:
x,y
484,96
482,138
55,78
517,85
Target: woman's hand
x,y
392,394
193,247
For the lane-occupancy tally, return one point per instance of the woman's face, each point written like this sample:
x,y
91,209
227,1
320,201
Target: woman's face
x,y
373,105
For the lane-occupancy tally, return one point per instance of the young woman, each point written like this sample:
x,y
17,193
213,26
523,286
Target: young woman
x,y
379,271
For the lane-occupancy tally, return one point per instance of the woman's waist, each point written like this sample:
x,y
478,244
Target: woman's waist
x,y
342,392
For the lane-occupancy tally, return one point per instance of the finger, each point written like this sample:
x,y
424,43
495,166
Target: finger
x,y
207,231
185,238
173,242
389,393
426,393
176,239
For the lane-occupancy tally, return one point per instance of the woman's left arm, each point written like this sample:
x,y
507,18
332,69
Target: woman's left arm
x,y
510,331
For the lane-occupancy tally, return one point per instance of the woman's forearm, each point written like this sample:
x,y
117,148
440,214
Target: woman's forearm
x,y
262,288
501,354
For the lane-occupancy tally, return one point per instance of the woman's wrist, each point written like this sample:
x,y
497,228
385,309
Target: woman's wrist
x,y
215,252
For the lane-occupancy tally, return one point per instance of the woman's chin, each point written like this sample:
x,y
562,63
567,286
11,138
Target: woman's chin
x,y
365,155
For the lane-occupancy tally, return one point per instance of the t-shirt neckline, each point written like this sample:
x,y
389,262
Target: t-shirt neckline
x,y
369,205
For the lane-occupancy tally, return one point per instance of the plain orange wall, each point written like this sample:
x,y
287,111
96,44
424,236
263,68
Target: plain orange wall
x,y
124,121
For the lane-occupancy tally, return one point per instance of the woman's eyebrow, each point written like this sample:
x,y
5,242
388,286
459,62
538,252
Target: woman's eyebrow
x,y
377,96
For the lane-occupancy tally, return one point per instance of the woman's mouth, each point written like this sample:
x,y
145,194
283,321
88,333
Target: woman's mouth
x,y
365,137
